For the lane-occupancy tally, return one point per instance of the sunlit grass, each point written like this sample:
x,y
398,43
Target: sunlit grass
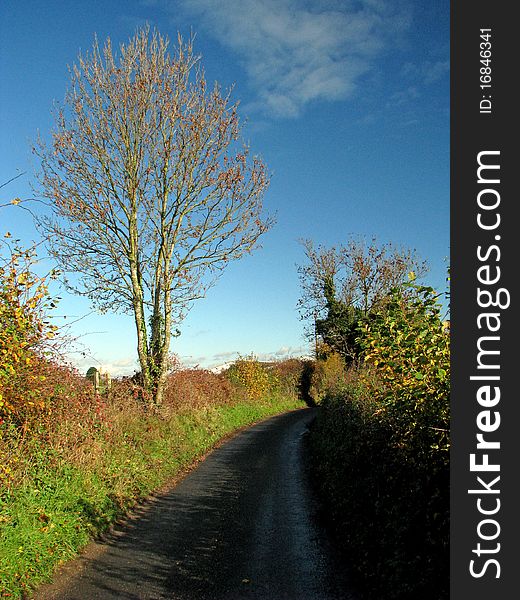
x,y
69,492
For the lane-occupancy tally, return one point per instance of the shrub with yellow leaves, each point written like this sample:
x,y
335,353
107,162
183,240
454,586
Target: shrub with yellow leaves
x,y
24,332
328,377
252,376
409,347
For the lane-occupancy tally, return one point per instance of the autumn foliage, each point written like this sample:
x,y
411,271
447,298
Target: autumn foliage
x,y
409,347
189,388
73,459
24,334
251,376
43,401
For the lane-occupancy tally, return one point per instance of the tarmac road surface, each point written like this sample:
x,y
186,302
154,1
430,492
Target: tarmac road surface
x,y
242,525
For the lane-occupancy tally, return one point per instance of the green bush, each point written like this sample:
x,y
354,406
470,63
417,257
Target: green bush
x,y
381,453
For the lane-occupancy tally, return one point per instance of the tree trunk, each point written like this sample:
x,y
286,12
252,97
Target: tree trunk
x,y
142,346
140,323
160,346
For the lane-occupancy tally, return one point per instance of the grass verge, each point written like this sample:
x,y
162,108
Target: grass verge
x,y
62,504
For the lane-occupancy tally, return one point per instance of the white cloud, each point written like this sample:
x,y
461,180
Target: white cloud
x,y
284,353
222,359
225,356
296,52
120,367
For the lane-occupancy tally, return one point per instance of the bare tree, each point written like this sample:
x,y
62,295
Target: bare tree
x,y
358,275
151,190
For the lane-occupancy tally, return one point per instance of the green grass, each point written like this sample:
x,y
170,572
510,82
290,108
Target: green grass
x,y
60,506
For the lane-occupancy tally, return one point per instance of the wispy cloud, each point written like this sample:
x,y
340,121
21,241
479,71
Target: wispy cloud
x,y
416,81
295,51
404,96
427,72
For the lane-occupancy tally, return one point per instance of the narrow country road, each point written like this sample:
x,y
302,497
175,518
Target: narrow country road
x,y
240,526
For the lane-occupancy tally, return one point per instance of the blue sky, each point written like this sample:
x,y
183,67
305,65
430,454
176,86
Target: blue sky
x,y
346,101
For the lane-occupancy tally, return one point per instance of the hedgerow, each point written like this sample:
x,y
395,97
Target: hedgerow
x,y
72,460
381,451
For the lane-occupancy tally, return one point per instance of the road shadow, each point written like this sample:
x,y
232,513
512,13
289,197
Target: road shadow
x,y
240,526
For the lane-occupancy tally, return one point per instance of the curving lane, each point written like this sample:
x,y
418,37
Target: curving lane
x,y
242,525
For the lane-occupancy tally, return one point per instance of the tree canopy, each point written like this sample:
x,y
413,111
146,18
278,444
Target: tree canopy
x,y
151,191
343,285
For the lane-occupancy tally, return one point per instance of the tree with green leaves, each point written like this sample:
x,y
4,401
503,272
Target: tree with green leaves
x,y
339,328
150,189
